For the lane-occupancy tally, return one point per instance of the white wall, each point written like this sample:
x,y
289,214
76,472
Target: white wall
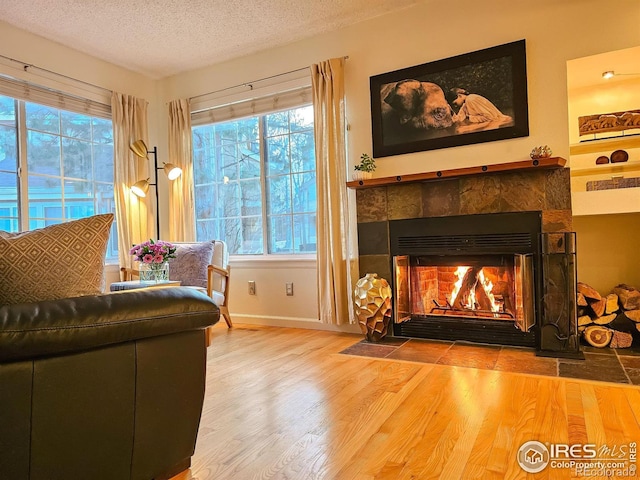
x,y
607,247
606,97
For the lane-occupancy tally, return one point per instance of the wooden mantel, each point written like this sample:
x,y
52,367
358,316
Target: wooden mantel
x,y
550,162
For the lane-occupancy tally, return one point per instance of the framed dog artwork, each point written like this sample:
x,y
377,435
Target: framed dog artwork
x,y
471,98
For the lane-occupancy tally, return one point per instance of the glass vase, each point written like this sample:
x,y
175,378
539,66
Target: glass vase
x,y
154,272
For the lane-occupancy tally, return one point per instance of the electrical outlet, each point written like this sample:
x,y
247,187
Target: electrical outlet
x,y
252,287
289,286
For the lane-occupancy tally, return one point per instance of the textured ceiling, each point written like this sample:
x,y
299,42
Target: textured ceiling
x,y
163,37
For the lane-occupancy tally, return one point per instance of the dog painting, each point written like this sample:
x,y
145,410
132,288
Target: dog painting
x,y
471,98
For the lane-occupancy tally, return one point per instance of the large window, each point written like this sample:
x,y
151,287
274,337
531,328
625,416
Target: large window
x,y
55,166
255,183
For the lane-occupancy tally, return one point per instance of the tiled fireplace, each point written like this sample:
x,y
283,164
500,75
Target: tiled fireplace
x,y
486,257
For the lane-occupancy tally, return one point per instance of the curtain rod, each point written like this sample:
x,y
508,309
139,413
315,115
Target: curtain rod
x,y
26,66
250,84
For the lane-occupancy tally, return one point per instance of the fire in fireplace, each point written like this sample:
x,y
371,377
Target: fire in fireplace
x,y
467,278
493,287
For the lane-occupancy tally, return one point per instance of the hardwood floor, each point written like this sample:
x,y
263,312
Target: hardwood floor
x,y
284,404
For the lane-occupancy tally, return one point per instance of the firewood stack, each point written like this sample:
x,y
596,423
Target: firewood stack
x,y
611,321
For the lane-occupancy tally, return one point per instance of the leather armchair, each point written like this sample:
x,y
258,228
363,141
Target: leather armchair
x,y
103,387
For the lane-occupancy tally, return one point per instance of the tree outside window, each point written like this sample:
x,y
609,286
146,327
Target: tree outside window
x,y
255,183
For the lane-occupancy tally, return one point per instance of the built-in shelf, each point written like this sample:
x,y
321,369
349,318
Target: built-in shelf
x,y
604,145
607,169
606,202
551,162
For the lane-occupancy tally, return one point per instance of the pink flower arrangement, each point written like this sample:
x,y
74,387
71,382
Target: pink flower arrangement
x,y
153,252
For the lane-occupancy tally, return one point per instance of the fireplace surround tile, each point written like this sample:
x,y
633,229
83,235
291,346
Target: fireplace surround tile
x,y
418,350
480,194
557,195
375,264
473,356
630,362
371,204
603,368
634,375
557,221
369,350
441,198
373,238
606,365
522,191
404,201
534,190
523,360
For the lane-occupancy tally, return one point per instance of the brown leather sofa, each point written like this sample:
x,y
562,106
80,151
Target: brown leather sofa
x,y
103,387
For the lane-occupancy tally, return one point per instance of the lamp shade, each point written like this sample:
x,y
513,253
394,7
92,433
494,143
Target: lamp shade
x,y
172,171
140,188
139,148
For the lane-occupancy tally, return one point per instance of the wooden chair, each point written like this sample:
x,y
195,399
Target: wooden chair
x,y
216,273
224,304
128,274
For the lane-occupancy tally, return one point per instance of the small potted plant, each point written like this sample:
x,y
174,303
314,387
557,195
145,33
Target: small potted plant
x,y
365,168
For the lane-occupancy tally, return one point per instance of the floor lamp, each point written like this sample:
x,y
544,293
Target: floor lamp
x,y
141,187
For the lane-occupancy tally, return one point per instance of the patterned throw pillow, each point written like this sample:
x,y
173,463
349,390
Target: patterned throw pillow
x,y
58,261
191,262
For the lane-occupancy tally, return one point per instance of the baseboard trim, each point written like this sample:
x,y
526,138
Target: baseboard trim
x,y
294,322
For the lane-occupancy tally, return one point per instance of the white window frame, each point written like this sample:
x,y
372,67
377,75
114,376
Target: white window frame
x,y
25,92
219,107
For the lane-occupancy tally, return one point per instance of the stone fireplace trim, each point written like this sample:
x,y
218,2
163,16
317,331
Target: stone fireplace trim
x,y
546,190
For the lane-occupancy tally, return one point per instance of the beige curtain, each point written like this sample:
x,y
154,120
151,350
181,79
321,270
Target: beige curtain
x,y
134,218
335,241
182,226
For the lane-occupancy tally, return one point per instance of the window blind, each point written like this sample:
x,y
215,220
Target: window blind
x,y
30,92
253,106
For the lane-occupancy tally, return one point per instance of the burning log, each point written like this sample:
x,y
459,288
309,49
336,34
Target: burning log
x,y
482,299
469,282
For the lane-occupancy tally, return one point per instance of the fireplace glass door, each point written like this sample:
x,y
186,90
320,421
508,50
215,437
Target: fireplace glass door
x,y
468,287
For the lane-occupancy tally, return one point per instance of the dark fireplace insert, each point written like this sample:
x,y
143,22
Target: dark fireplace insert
x,y
481,278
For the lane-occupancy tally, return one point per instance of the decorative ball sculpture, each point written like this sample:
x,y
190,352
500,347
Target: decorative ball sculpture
x,y
541,152
372,298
